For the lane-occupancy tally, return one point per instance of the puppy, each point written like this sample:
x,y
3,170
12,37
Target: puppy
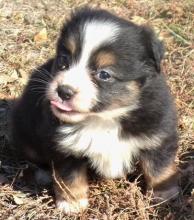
x,y
101,103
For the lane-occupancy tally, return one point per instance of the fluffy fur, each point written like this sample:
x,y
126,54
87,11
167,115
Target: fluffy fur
x,y
101,103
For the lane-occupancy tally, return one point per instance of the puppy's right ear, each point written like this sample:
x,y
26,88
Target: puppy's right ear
x,y
154,46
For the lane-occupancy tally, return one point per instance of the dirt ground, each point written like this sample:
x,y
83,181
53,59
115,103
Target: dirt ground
x,y
28,33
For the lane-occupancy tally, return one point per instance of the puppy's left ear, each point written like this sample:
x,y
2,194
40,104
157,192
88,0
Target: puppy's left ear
x,y
154,46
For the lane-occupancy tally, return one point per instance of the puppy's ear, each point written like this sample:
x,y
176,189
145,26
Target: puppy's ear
x,y
154,46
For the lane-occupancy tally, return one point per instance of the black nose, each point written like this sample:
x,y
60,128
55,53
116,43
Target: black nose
x,y
65,92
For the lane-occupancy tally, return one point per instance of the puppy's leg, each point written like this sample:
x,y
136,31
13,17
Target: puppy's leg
x,y
160,172
71,187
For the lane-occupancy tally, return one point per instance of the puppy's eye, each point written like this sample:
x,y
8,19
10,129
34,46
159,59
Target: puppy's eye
x,y
103,75
62,62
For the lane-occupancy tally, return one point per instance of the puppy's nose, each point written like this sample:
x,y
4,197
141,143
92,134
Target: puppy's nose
x,y
65,92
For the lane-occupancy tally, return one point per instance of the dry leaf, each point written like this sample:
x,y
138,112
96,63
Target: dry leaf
x,y
138,20
41,36
19,17
4,79
17,200
14,75
23,74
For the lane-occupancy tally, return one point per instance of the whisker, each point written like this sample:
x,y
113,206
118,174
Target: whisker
x,y
39,80
42,81
45,76
44,73
37,89
48,74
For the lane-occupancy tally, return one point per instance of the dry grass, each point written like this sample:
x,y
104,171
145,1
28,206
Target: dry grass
x,y
21,51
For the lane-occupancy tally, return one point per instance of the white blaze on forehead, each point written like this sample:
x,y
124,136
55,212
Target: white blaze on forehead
x,y
95,34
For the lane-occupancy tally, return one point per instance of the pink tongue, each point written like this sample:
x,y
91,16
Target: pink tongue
x,y
63,106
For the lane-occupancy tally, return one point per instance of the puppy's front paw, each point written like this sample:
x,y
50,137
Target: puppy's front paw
x,y
72,207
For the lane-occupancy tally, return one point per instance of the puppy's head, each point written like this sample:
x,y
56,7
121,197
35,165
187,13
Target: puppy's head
x,y
102,62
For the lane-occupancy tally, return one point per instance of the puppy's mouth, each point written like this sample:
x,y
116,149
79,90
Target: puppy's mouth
x,y
63,107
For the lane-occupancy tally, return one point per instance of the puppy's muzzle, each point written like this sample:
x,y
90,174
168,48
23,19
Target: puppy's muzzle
x,y
65,92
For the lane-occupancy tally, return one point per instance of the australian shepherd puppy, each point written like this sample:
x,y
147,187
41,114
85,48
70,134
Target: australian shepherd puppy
x,y
101,103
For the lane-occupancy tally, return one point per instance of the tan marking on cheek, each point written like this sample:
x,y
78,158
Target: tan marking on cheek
x,y
123,103
104,59
133,88
127,99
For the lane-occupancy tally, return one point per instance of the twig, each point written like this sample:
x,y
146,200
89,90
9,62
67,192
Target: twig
x,y
162,202
62,185
176,35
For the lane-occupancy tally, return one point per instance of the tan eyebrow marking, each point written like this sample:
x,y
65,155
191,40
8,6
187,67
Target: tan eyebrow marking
x,y
104,59
71,45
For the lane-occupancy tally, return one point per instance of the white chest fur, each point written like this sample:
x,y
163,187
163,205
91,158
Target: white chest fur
x,y
100,141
